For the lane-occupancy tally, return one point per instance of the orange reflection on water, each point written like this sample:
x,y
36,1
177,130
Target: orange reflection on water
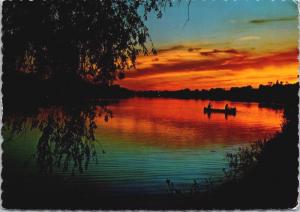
x,y
182,123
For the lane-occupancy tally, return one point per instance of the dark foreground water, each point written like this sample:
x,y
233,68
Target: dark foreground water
x,y
129,147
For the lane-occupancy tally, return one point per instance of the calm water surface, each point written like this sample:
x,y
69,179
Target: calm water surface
x,y
150,140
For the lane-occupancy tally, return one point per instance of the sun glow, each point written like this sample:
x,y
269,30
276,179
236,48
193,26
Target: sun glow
x,y
182,67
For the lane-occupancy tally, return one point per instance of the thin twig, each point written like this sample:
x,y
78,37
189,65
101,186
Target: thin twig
x,y
188,15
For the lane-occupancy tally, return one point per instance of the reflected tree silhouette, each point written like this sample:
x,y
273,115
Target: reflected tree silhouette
x,y
67,139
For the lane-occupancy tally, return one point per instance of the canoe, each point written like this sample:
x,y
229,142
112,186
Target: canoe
x,y
231,111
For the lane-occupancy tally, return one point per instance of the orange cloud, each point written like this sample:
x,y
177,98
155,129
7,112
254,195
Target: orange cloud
x,y
182,67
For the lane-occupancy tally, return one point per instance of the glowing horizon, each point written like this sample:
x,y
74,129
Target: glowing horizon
x,y
245,44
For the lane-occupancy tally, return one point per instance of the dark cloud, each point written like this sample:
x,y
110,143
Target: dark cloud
x,y
236,62
215,51
194,49
187,65
206,53
231,51
178,47
268,20
171,48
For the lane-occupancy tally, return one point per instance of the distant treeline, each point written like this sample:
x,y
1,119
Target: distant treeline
x,y
27,88
272,93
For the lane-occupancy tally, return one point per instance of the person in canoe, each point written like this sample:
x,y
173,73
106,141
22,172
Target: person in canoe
x,y
226,107
209,106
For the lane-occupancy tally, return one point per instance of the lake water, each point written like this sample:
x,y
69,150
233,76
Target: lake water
x,y
139,143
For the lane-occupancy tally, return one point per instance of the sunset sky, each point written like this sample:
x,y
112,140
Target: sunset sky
x,y
224,44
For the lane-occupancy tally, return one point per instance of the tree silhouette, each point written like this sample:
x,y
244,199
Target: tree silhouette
x,y
96,40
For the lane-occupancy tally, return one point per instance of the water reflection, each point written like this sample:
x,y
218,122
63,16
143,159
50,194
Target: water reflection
x,y
225,115
181,124
147,141
67,139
